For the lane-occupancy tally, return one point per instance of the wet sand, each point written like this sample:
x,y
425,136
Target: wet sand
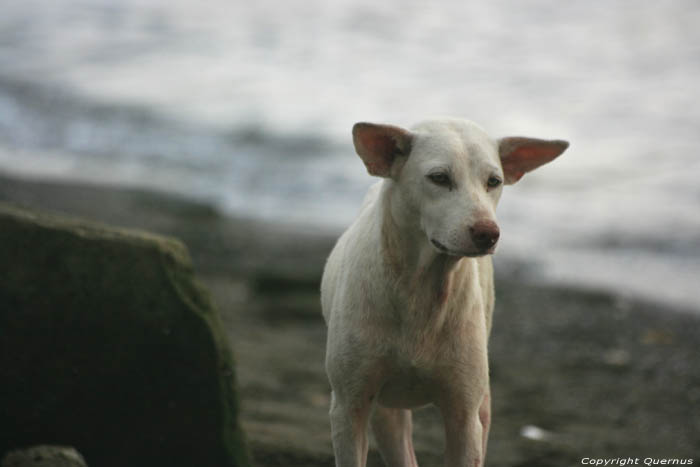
x,y
579,373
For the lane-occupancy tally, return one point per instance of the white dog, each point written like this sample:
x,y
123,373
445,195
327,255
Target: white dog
x,y
407,292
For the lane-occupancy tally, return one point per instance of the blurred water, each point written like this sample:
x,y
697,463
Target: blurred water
x,y
250,105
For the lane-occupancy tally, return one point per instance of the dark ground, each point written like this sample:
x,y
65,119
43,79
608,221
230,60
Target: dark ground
x,y
600,376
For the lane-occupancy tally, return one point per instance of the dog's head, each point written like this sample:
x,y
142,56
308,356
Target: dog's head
x,y
448,175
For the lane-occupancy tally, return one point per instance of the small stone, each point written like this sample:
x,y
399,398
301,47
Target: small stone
x,y
616,357
657,337
44,456
535,433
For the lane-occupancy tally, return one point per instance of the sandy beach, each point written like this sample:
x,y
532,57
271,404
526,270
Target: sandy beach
x,y
575,374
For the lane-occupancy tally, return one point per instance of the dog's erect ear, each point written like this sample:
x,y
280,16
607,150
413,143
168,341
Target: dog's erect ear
x,y
520,155
381,146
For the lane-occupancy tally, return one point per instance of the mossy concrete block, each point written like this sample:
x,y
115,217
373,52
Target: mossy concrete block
x,y
108,344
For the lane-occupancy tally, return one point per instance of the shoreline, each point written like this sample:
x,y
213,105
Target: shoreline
x,y
596,374
198,223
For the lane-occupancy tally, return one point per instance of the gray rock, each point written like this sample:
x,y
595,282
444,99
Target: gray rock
x,y
44,456
108,344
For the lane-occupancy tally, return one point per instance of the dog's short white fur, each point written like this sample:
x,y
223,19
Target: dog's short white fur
x,y
407,292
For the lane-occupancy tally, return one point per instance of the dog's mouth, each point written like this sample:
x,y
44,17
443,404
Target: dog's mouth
x,y
439,246
470,254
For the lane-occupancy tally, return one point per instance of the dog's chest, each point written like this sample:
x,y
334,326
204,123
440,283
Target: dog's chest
x,y
411,365
432,347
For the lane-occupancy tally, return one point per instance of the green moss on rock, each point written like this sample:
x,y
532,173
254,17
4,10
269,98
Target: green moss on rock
x,y
108,344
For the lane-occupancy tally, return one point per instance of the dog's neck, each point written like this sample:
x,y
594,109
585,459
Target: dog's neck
x,y
407,252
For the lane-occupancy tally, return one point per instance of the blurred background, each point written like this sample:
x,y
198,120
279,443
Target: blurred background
x,y
249,105
227,125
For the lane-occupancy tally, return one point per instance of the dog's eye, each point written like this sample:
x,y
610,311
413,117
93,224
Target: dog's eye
x,y
493,181
440,178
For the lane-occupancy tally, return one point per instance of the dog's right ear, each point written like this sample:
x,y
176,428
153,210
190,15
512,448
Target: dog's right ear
x,y
382,148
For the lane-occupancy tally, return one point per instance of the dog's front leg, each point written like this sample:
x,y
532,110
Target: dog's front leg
x,y
355,382
485,417
464,431
349,419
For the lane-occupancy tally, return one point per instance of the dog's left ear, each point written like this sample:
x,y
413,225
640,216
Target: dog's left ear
x,y
520,155
381,147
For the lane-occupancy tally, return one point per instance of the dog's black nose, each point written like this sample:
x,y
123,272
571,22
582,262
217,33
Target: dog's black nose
x,y
484,234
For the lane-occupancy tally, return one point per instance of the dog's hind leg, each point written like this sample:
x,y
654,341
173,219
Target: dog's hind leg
x,y
393,432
